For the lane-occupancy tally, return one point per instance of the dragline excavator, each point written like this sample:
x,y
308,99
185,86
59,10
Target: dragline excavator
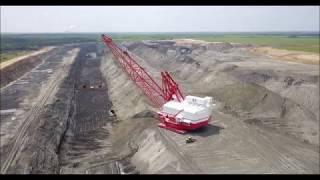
x,y
176,112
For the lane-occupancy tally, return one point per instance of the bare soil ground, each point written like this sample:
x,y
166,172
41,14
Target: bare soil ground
x,y
290,56
15,68
56,117
22,103
25,57
266,120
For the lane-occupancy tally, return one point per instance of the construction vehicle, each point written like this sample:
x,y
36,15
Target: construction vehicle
x,y
190,140
176,112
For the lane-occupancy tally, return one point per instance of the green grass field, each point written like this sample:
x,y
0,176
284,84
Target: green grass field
x,y
307,44
10,55
13,45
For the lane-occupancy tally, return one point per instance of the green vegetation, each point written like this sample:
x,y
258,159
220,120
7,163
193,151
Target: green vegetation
x,y
10,55
307,44
289,42
14,42
13,45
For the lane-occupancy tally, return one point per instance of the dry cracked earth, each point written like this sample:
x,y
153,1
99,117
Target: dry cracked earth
x,y
56,112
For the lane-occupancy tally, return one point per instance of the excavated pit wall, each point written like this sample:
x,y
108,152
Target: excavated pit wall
x,y
89,126
137,126
62,137
40,152
76,124
242,91
137,143
18,69
272,94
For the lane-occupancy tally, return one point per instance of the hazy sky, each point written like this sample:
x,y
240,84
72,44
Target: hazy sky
x,y
158,18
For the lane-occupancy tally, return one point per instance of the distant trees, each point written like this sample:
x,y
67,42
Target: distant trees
x,y
11,42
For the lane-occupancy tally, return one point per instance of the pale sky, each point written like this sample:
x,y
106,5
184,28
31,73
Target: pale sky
x,y
158,18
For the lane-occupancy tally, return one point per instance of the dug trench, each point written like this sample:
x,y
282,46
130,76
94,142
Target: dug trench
x,y
24,100
264,121
86,147
71,133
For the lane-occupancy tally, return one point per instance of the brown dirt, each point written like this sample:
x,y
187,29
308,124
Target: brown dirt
x,y
24,57
288,55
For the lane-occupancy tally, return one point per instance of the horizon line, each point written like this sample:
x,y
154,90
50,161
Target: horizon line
x,y
269,31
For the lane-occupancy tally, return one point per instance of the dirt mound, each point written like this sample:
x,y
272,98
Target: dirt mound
x,y
219,46
252,76
247,87
252,109
251,101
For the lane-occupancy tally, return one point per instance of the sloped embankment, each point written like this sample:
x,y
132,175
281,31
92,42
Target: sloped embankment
x,y
19,68
136,130
278,95
253,92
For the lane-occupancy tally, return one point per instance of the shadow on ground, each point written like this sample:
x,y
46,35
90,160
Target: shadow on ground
x,y
206,131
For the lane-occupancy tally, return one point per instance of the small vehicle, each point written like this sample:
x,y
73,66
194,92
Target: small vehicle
x,y
190,140
113,113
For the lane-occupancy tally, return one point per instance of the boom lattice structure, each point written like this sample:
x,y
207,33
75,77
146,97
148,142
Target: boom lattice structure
x,y
156,94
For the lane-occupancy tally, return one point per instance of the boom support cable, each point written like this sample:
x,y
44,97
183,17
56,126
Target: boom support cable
x,y
156,94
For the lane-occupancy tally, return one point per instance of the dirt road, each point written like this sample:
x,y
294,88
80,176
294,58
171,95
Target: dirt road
x,y
13,142
21,58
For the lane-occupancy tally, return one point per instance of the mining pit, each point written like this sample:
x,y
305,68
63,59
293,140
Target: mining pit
x,y
73,110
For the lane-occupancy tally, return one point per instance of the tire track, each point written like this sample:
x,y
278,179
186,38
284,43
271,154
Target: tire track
x,y
173,146
20,139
